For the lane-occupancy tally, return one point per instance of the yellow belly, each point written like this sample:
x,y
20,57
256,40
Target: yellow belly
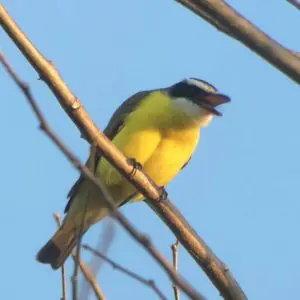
x,y
159,137
169,157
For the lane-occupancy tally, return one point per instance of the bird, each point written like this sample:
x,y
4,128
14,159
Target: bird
x,y
156,129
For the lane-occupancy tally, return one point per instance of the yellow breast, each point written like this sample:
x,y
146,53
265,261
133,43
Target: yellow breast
x,y
172,153
158,136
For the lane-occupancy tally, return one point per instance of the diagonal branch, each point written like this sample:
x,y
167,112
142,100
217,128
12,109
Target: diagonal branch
x,y
104,243
296,3
133,232
148,282
76,256
174,249
215,269
225,18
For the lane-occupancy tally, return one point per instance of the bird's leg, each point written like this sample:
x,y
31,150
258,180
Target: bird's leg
x,y
135,166
163,194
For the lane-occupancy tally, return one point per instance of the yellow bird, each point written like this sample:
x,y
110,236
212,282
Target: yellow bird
x,y
159,129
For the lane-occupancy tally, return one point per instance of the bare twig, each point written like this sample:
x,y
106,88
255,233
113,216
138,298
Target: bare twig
x,y
88,275
77,253
148,282
214,268
75,275
63,274
174,249
106,240
225,18
90,278
74,278
134,233
296,3
104,243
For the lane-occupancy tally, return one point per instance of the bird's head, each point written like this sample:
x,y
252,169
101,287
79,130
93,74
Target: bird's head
x,y
197,99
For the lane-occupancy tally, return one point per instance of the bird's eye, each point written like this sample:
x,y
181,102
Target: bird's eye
x,y
182,89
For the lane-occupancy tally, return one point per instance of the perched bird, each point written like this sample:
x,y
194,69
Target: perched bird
x,y
159,129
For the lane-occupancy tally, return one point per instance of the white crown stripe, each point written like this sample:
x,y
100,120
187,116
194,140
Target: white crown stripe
x,y
202,85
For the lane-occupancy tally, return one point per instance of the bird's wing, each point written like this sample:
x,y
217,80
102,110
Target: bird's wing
x,y
186,163
114,126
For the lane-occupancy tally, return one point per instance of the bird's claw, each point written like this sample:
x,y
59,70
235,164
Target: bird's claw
x,y
163,194
135,166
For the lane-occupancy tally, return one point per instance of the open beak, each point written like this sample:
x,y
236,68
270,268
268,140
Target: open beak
x,y
211,101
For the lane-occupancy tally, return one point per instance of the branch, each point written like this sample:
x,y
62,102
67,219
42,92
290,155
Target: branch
x,y
174,249
104,243
74,277
148,282
88,275
295,3
63,273
215,269
78,248
134,233
229,21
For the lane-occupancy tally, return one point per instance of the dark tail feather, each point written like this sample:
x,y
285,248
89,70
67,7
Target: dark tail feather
x,y
58,248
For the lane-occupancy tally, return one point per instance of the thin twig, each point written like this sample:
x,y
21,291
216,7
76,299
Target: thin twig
x,y
88,275
148,282
214,268
74,278
104,243
296,3
63,274
225,18
90,278
134,233
77,254
174,249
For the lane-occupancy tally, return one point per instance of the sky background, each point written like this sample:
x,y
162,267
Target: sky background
x,y
240,192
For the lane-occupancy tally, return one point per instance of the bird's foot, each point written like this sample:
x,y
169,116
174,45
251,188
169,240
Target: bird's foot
x,y
163,194
135,166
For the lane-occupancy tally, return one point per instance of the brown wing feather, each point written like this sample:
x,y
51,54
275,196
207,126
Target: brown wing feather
x,y
186,163
114,126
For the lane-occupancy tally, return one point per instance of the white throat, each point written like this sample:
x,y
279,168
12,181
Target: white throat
x,y
192,110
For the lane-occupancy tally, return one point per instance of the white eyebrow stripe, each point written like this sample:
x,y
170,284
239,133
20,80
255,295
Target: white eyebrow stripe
x,y
202,85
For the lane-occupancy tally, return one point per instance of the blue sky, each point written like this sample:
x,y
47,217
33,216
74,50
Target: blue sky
x,y
241,190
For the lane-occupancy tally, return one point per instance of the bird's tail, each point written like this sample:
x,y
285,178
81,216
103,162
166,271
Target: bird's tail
x,y
59,247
